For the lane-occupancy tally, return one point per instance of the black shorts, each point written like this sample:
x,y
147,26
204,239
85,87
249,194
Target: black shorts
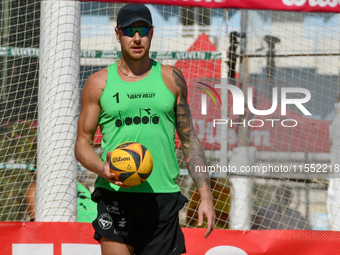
x,y
146,221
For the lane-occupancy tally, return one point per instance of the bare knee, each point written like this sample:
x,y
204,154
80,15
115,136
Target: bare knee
x,y
110,247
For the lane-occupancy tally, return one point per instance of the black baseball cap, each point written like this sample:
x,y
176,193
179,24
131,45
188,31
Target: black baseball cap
x,y
133,12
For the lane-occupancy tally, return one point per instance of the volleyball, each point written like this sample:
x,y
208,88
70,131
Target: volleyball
x,y
131,163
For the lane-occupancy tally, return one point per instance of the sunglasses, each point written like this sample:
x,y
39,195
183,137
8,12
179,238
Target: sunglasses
x,y
130,31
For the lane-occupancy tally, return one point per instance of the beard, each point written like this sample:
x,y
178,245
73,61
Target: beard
x,y
136,56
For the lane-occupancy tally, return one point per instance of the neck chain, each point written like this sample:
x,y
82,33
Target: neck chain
x,y
134,77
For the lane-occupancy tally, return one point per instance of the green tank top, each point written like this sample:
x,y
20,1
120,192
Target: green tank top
x,y
143,112
87,209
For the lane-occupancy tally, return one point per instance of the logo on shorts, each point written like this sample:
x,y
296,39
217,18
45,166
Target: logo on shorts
x,y
122,223
113,208
105,221
120,232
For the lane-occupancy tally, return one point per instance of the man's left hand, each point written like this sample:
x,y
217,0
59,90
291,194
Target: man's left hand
x,y
206,209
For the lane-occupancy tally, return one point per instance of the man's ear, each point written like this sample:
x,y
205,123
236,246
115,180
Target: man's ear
x,y
153,27
117,34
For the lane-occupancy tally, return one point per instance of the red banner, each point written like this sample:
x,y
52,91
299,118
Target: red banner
x,y
64,238
279,5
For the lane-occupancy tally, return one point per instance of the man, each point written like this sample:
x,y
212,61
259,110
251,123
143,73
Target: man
x,y
279,215
86,208
138,99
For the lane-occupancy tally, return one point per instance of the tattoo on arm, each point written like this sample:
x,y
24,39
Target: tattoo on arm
x,y
191,145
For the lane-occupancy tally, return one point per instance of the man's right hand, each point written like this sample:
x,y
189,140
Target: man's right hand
x,y
108,175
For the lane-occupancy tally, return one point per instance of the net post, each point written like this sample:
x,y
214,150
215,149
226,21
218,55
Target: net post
x,y
58,108
243,154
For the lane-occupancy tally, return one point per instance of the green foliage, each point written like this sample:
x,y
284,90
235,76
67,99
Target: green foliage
x,y
18,144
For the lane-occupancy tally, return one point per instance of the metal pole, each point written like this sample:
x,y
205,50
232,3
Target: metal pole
x,y
242,155
224,110
243,131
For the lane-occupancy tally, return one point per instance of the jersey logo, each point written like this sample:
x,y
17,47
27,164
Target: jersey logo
x,y
144,117
141,95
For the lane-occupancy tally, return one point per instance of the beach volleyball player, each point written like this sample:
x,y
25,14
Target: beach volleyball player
x,y
138,99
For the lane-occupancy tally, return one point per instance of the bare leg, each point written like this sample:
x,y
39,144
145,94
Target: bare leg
x,y
110,247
